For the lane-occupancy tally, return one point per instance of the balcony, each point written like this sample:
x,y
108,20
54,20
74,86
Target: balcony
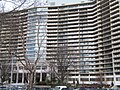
x,y
52,24
70,15
114,33
115,19
113,2
114,28
114,11
115,37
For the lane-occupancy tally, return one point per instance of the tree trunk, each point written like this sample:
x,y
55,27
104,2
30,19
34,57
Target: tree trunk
x,y
30,81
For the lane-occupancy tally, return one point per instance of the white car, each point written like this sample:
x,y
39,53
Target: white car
x,y
60,87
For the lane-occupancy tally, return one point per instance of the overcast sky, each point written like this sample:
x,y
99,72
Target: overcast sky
x,y
9,6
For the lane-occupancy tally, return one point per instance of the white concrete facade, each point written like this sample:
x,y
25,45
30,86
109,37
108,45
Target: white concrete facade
x,y
91,31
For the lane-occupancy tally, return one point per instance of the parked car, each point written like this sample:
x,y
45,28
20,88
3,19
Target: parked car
x,y
60,87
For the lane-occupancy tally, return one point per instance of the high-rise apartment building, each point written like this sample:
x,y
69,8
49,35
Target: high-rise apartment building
x,y
73,27
90,31
21,34
12,26
86,33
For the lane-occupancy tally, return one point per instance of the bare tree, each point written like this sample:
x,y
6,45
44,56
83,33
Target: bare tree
x,y
5,43
61,64
100,79
10,43
4,71
28,63
12,5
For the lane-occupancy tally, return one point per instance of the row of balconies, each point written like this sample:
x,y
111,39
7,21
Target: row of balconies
x,y
113,2
114,16
103,10
115,37
69,52
116,61
102,16
81,24
99,2
114,12
71,49
79,6
116,50
115,23
114,33
63,23
87,32
52,43
64,36
63,27
117,18
72,16
72,12
98,38
116,55
104,35
117,65
101,42
65,31
116,42
74,57
67,22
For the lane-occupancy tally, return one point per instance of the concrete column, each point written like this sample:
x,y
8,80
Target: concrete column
x,y
17,77
41,74
114,76
23,77
11,76
17,74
